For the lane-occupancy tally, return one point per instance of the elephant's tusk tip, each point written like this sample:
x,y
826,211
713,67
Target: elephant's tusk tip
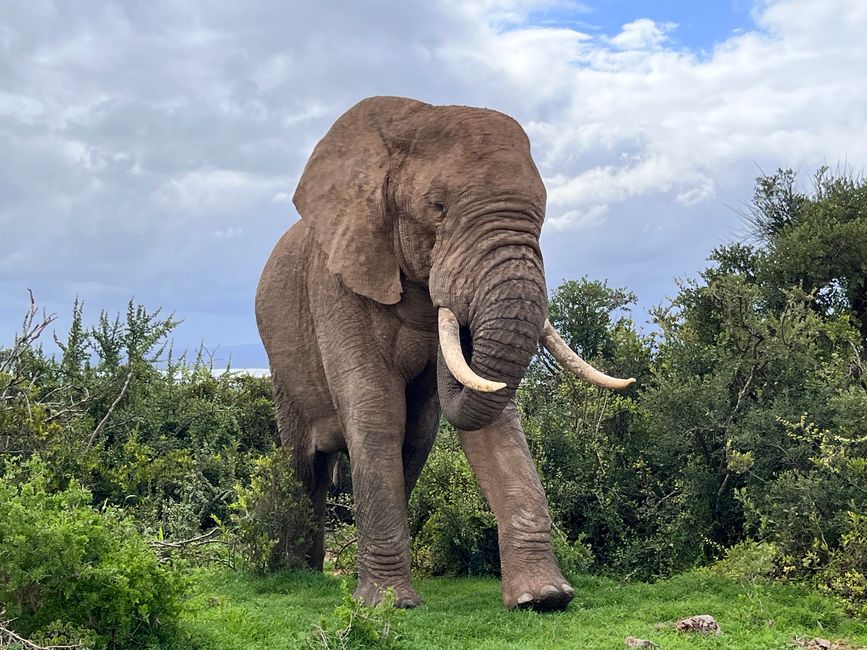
x,y
561,351
620,384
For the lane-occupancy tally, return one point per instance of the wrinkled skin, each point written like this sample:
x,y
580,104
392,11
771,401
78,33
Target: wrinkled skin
x,y
407,207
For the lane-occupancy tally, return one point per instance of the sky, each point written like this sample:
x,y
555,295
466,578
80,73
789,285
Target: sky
x,y
151,150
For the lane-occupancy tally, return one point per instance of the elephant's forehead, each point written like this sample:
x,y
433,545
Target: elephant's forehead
x,y
465,123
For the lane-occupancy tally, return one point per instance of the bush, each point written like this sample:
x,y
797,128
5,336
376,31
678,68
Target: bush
x,y
352,626
454,532
66,566
573,557
272,518
845,576
749,562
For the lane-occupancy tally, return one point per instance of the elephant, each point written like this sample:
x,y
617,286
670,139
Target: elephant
x,y
413,287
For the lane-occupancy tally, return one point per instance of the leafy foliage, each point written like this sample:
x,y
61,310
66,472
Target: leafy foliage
x,y
68,566
454,531
353,626
272,520
162,438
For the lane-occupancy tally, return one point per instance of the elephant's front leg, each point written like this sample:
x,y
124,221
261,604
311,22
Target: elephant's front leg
x,y
504,468
375,439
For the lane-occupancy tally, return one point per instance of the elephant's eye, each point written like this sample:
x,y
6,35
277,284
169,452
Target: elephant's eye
x,y
439,206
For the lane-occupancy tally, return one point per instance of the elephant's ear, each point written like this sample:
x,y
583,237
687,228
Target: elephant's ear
x,y
342,194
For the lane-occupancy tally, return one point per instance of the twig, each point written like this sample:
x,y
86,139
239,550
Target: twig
x,y
337,557
8,638
29,333
199,540
108,413
70,407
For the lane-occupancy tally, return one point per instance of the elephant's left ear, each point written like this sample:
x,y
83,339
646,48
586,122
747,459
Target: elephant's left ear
x,y
342,194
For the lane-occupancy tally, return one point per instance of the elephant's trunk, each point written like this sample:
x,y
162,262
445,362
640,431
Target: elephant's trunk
x,y
504,322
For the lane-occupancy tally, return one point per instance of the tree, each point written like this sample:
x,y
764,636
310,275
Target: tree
x,y
817,241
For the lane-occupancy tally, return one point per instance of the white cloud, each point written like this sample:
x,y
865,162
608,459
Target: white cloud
x,y
642,34
214,190
583,219
633,116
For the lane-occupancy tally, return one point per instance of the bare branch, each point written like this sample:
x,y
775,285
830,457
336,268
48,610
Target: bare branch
x,y
108,413
30,331
8,638
72,406
199,540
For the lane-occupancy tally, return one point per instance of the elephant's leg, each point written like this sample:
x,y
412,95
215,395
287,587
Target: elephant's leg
x,y
502,464
422,421
311,468
375,438
317,488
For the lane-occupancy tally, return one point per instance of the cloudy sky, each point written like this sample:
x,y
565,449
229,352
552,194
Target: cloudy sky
x,y
152,149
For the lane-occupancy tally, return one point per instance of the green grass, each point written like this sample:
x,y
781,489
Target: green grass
x,y
231,610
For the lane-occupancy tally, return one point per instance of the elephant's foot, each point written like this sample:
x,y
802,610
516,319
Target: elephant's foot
x,y
536,586
531,577
371,592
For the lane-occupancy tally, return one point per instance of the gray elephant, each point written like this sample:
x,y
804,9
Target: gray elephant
x,y
412,287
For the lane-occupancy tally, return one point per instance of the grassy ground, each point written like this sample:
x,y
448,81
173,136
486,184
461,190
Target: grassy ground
x,y
229,610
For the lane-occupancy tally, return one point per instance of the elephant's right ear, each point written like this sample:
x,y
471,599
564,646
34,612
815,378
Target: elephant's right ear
x,y
341,194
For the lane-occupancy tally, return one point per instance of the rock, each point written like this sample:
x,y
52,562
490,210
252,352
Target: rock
x,y
635,642
702,624
822,644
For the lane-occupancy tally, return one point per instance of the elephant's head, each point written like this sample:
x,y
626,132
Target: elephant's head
x,y
447,197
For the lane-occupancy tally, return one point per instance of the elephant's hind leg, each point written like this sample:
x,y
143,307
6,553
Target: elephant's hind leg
x,y
312,468
504,468
322,466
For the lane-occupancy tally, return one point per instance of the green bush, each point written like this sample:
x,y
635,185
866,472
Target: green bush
x,y
353,626
454,532
573,557
272,519
749,562
66,566
159,436
845,575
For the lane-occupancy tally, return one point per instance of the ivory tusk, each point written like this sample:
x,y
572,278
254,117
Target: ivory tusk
x,y
555,344
450,344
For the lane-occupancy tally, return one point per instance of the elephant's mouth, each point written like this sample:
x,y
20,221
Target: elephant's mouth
x,y
452,385
466,339
469,401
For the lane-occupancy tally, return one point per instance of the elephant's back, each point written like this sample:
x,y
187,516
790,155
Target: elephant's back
x,y
305,414
282,281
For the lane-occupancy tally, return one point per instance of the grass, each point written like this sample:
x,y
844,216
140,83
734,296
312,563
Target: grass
x,y
231,610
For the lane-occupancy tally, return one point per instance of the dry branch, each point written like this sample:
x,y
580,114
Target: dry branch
x,y
9,639
30,331
108,413
199,540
